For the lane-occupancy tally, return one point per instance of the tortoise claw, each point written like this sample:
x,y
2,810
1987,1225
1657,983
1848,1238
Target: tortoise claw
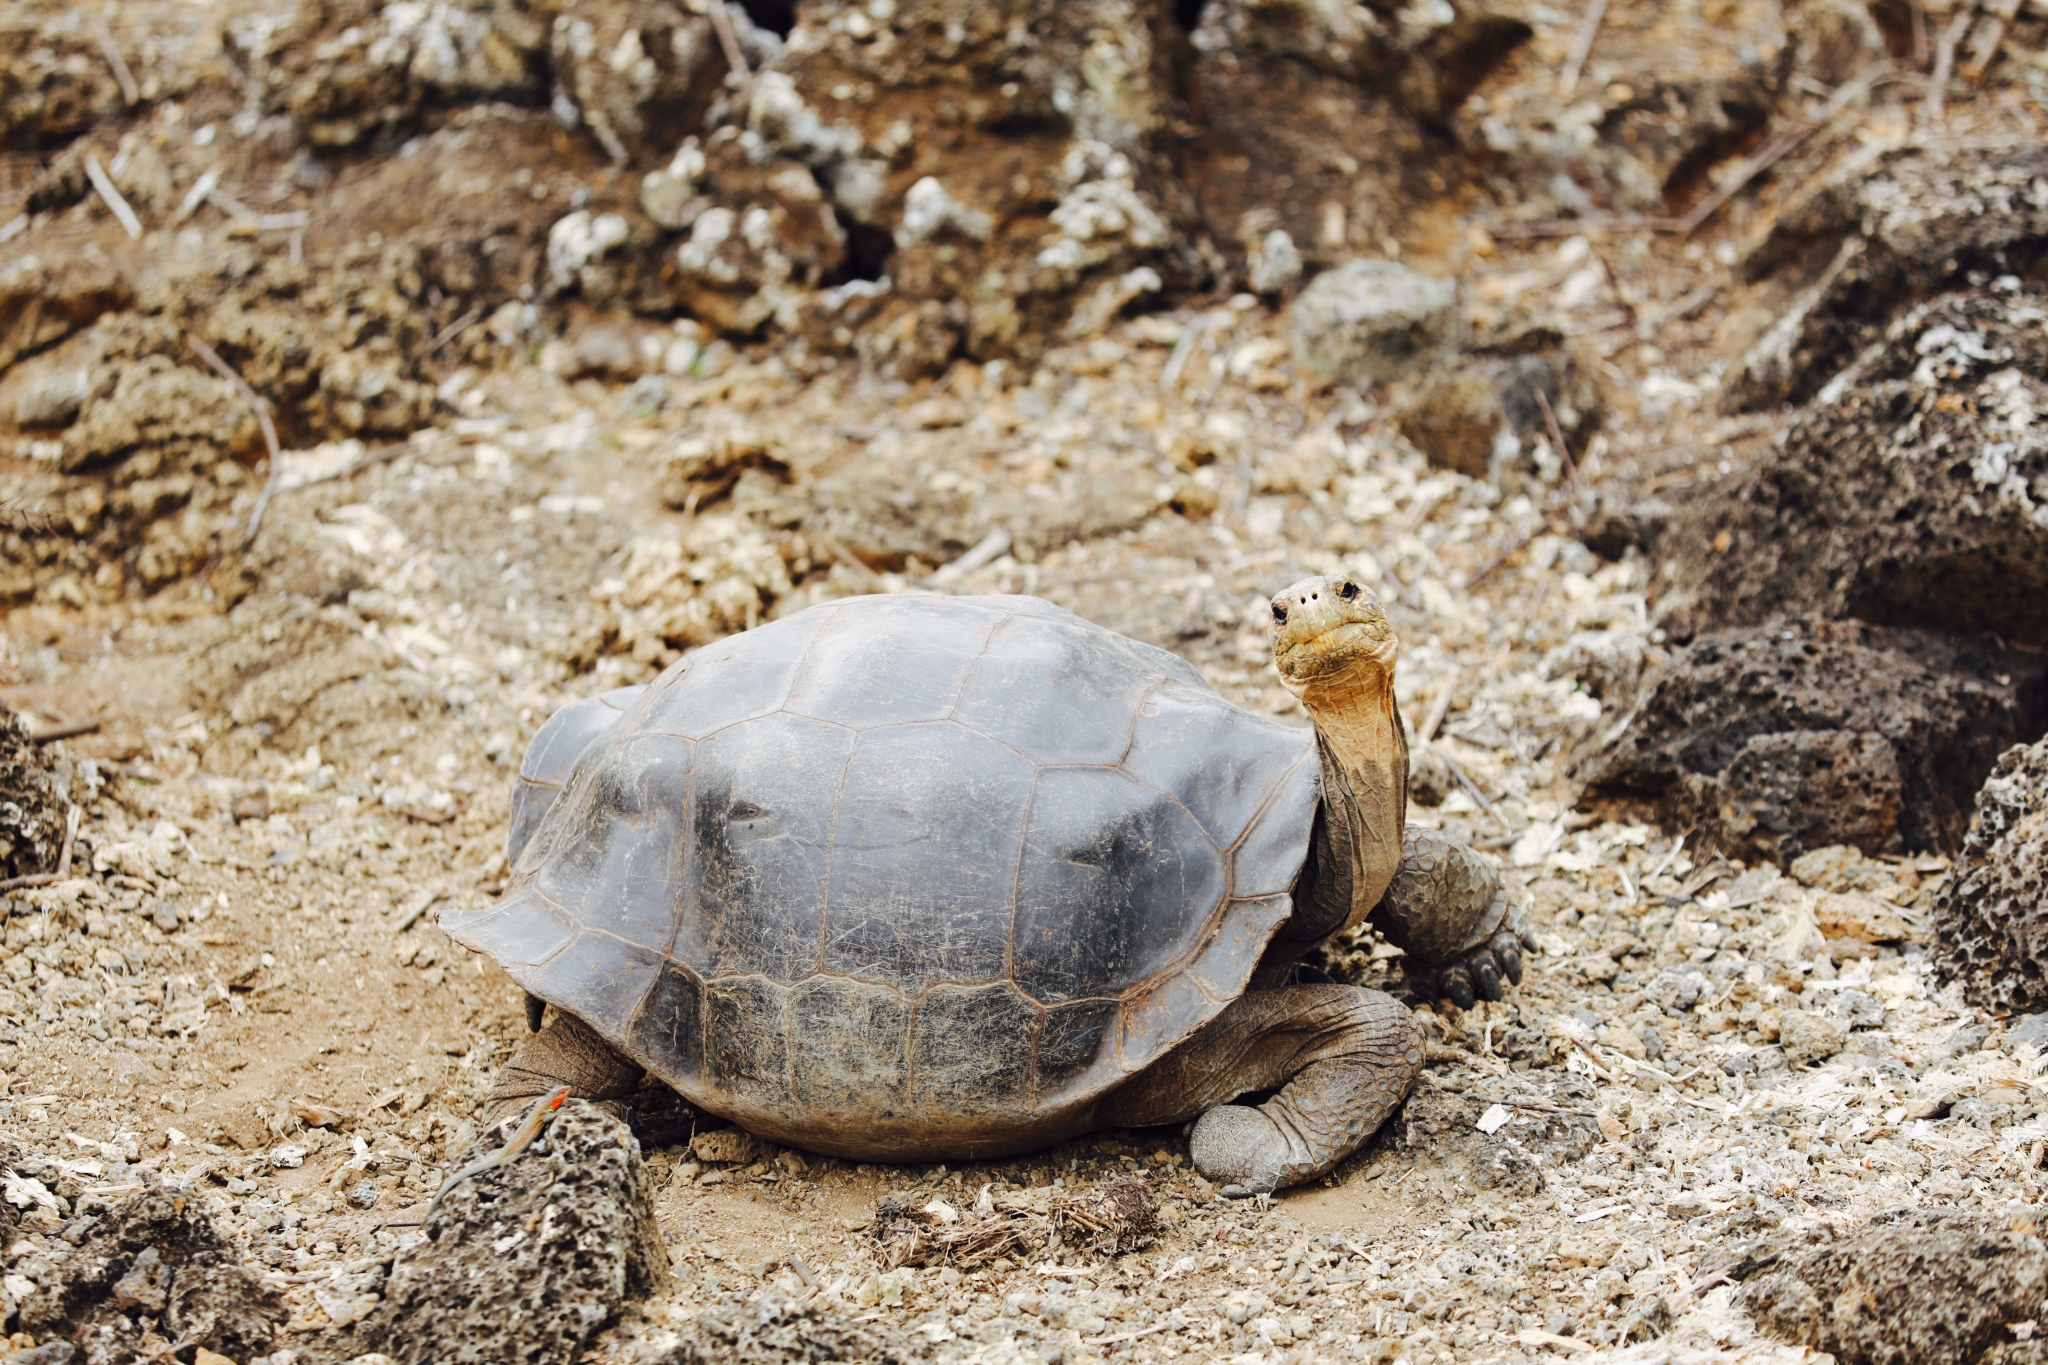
x,y
1489,978
1509,951
1457,984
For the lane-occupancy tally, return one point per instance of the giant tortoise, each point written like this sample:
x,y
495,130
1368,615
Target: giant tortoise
x,y
917,877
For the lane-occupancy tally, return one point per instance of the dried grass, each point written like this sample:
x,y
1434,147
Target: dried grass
x,y
1118,1215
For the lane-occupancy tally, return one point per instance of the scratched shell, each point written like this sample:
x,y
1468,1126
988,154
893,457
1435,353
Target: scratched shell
x,y
896,875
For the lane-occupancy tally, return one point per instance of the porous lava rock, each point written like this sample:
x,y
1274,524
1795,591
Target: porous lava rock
x,y
1320,122
1912,1287
1775,739
526,1262
32,802
153,1262
1991,914
1913,493
1875,239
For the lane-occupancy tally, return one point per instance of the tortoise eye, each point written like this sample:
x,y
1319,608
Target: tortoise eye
x,y
1279,615
1348,592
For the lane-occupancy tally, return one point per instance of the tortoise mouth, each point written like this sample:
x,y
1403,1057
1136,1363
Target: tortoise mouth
x,y
1342,647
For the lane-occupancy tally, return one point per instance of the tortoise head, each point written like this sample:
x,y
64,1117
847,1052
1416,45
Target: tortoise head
x,y
1330,636
1335,651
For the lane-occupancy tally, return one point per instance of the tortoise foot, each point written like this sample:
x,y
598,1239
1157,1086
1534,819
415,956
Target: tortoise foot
x,y
1240,1149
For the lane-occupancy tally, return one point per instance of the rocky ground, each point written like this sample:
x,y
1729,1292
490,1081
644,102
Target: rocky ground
x,y
559,396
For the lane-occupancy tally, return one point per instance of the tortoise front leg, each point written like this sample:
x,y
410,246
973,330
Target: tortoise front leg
x,y
1343,1057
1449,911
567,1052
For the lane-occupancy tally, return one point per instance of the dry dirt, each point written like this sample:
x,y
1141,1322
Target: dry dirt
x,y
304,748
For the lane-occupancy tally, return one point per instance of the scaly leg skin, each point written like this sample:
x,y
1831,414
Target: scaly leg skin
x,y
566,1052
1346,1055
1448,910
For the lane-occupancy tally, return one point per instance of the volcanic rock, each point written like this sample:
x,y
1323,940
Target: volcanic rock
x,y
1798,734
1865,245
154,1260
1913,493
1991,915
1913,1287
525,1263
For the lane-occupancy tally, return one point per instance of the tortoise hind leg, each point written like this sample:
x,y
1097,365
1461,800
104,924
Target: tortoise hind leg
x,y
1343,1058
566,1052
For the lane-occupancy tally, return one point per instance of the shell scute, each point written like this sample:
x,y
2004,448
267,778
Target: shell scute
x,y
848,1044
1062,693
847,680
551,757
751,891
669,1022
599,979
615,860
1117,880
732,680
1241,936
1223,769
1072,1060
924,857
970,1051
746,1043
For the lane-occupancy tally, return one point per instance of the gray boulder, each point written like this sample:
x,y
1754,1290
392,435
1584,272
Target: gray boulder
x,y
1369,322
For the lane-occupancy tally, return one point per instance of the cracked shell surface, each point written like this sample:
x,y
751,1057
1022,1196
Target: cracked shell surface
x,y
895,876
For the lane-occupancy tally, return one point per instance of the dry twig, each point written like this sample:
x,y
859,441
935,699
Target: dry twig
x,y
1945,63
262,410
63,859
1564,452
1582,48
1471,786
1120,1215
1438,707
450,332
1183,350
17,515
55,733
721,22
1572,227
111,197
131,93
1998,15
1784,142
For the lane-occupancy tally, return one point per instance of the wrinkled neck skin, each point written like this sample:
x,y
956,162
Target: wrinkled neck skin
x,y
1364,754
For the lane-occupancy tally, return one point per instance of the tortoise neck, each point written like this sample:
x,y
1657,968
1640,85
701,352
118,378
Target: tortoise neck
x,y
1364,754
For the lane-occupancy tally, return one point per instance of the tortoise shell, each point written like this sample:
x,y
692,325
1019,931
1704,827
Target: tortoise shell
x,y
903,876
